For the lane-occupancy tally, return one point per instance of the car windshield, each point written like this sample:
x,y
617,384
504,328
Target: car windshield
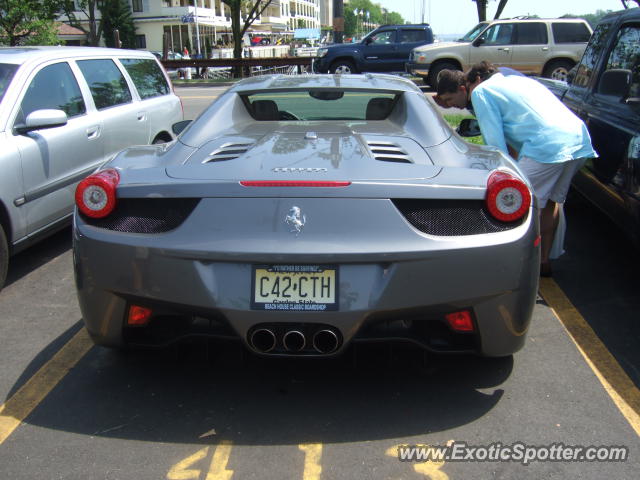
x,y
6,74
474,32
321,104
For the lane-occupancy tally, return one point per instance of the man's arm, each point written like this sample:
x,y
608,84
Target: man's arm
x,y
490,120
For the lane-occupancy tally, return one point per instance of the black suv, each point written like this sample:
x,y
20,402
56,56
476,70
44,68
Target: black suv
x,y
604,90
385,49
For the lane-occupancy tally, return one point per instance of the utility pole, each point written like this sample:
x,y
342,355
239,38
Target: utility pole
x,y
195,2
338,21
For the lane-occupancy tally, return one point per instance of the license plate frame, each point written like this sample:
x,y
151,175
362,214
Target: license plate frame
x,y
265,279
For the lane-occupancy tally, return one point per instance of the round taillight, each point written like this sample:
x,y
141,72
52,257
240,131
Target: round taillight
x,y
96,194
508,197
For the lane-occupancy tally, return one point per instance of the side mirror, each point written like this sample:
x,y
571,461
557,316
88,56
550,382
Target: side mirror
x,y
615,82
469,127
478,41
368,41
41,119
177,128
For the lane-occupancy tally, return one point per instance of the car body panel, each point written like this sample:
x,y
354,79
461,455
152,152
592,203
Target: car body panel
x,y
389,56
50,162
199,276
529,57
611,181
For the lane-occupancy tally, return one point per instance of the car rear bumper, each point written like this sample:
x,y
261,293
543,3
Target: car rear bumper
x,y
397,294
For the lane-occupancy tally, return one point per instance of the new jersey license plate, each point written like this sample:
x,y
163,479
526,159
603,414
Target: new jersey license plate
x,y
295,287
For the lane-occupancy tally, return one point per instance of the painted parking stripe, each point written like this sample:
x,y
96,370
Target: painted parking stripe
x,y
614,379
28,397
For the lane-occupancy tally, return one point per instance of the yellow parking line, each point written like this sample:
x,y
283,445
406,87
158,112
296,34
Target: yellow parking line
x,y
28,397
614,379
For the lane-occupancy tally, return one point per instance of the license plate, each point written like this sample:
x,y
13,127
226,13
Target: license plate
x,y
295,287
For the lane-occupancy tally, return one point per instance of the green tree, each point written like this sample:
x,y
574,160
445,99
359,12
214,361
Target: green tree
x,y
116,15
92,26
23,20
592,18
481,6
243,14
369,15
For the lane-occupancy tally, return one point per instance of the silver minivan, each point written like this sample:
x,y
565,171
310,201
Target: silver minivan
x,y
63,112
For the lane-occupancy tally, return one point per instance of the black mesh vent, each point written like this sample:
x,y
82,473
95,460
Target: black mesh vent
x,y
146,215
451,217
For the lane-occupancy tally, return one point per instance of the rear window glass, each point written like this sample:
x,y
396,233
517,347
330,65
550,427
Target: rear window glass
x,y
570,32
412,36
320,105
147,77
531,34
6,74
108,85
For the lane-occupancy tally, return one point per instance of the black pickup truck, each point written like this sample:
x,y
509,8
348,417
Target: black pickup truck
x,y
605,92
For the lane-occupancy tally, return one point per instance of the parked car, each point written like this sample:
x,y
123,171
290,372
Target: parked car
x,y
385,49
63,112
300,214
536,46
605,93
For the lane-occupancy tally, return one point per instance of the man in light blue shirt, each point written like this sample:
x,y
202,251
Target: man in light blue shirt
x,y
520,114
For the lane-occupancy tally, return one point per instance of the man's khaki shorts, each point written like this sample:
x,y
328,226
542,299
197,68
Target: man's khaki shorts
x,y
550,181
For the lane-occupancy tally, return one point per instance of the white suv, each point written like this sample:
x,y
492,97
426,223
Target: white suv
x,y
63,112
535,46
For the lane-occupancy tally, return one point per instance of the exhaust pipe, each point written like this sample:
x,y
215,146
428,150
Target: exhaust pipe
x,y
263,340
325,341
294,341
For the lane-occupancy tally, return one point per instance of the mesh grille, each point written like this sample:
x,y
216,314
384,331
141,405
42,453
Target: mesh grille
x,y
146,215
451,217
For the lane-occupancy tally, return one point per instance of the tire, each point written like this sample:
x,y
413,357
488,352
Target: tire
x,y
435,71
343,67
4,257
558,69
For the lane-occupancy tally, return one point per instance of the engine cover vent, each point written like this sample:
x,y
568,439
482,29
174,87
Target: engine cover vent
x,y
388,152
228,151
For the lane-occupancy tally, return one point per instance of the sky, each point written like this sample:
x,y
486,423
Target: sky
x,y
459,16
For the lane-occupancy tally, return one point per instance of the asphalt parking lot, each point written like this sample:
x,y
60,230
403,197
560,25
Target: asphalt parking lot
x,y
209,411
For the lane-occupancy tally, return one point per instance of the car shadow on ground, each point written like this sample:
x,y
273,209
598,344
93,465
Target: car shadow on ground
x,y
37,255
182,394
599,275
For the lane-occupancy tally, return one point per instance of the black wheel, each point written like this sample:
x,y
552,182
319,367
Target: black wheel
x,y
435,71
343,67
4,257
558,70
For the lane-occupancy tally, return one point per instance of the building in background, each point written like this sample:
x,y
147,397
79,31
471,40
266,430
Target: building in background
x,y
208,22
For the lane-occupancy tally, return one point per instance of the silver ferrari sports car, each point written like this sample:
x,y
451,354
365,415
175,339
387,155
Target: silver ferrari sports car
x,y
300,214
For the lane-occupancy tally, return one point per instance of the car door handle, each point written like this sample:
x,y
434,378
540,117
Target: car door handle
x,y
93,132
505,49
545,49
142,116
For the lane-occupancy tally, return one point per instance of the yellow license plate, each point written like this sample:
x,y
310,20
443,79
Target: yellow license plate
x,y
295,287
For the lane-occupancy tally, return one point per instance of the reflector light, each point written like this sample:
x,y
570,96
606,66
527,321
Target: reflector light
x,y
537,241
460,321
508,198
138,315
96,194
292,183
